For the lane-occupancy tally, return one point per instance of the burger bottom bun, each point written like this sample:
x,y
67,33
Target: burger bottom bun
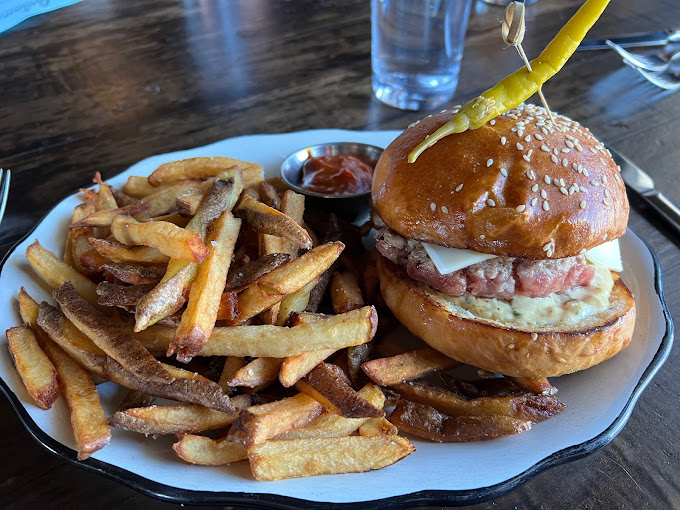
x,y
504,349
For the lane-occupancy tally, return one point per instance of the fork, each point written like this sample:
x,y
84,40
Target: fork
x,y
5,176
665,80
653,63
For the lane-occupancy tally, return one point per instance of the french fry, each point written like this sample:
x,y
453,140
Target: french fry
x,y
134,274
269,195
406,366
339,331
112,294
330,424
277,460
138,187
257,373
378,426
33,366
119,252
345,292
357,355
122,347
259,423
293,205
164,299
203,168
294,368
228,309
490,387
425,421
105,199
327,384
198,320
295,302
248,274
268,220
284,280
90,428
135,398
76,238
538,385
232,364
176,419
204,451
174,241
55,272
534,408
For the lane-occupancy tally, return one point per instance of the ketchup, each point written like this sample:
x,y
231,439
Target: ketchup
x,y
336,175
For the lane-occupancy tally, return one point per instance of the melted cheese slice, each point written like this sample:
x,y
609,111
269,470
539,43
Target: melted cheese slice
x,y
450,260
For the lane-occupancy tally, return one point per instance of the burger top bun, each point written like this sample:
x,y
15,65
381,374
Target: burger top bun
x,y
519,186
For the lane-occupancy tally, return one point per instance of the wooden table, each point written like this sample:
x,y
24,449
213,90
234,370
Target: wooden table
x,y
101,85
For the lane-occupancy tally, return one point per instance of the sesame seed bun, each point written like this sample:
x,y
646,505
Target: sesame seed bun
x,y
497,347
519,186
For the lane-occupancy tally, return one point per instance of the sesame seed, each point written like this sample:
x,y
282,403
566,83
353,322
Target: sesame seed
x,y
531,151
606,193
534,187
538,137
492,122
526,158
534,336
546,205
547,179
582,189
503,172
606,201
556,152
527,138
585,172
545,131
565,162
534,201
569,144
571,137
433,206
459,187
582,205
618,179
514,130
520,132
562,183
491,202
604,179
520,208
578,147
511,346
583,250
554,158
550,253
545,148
574,166
566,150
519,146
445,209
594,182
482,237
547,246
564,190
489,162
593,150
503,140
544,194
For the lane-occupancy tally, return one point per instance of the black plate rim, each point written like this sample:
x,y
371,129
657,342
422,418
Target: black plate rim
x,y
427,497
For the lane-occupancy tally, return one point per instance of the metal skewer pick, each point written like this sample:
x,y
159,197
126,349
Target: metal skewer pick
x,y
513,29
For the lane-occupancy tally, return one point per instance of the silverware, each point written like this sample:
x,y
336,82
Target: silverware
x,y
660,38
666,80
5,176
643,185
655,63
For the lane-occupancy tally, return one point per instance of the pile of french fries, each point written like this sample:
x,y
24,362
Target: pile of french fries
x,y
206,263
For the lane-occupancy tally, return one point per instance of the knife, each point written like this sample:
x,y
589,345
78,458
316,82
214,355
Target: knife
x,y
660,38
642,184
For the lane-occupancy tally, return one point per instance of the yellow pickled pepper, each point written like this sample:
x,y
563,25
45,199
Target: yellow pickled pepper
x,y
516,88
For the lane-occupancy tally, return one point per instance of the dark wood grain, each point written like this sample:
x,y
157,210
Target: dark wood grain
x,y
101,85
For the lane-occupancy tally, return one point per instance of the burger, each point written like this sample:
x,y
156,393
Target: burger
x,y
499,246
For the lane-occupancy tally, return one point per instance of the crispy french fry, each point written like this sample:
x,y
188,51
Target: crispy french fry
x,y
248,274
327,384
228,309
406,366
284,280
357,355
176,419
164,299
490,387
538,385
28,309
76,238
268,220
122,347
345,292
186,387
198,320
112,294
259,423
257,373
353,328
269,195
295,368
330,424
134,274
33,366
534,408
105,198
55,272
135,398
174,241
277,460
119,252
232,364
378,426
295,302
203,168
204,451
90,428
425,421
